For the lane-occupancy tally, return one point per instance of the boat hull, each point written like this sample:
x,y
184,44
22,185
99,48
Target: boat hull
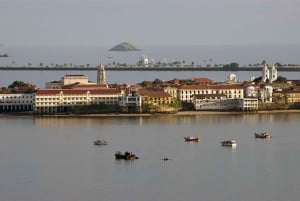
x,y
125,156
228,143
262,135
192,139
100,142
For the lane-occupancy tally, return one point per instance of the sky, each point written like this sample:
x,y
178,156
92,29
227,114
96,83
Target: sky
x,y
148,22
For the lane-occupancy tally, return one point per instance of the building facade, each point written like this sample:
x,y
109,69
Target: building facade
x,y
130,103
52,101
185,93
16,102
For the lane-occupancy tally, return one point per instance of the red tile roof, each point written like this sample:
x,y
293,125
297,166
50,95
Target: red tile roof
x,y
219,86
77,91
203,80
155,94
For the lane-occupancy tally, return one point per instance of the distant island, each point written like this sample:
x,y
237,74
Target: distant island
x,y
124,47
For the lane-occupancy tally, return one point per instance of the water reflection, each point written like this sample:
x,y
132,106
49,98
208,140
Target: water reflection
x,y
49,158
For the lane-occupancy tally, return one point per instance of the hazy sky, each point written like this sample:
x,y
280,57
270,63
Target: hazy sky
x,y
148,22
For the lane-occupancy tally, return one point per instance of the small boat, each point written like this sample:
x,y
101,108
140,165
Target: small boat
x,y
192,139
166,159
100,142
229,143
126,156
263,135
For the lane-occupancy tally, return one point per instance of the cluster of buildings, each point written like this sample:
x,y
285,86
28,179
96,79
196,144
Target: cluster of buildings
x,y
198,93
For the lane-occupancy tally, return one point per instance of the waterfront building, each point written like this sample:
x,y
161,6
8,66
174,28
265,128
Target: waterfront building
x,y
171,90
221,102
156,97
251,92
262,92
186,92
287,96
247,104
51,101
213,102
16,102
130,103
266,94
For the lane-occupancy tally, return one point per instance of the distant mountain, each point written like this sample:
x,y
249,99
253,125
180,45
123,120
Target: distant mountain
x,y
124,47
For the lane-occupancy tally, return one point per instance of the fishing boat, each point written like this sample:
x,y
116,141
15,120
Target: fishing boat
x,y
229,143
100,142
126,156
192,139
263,135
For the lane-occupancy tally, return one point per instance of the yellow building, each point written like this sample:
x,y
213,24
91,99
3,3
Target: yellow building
x,y
287,96
156,98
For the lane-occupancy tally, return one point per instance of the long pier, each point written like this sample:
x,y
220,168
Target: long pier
x,y
164,68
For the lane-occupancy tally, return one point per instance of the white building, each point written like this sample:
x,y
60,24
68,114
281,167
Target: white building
x,y
248,104
266,94
68,80
143,61
185,93
130,103
51,101
250,92
16,102
221,102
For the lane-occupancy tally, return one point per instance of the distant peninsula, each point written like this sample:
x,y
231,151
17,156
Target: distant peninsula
x,y
124,47
3,55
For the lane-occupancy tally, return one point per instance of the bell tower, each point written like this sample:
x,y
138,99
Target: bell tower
x,y
101,76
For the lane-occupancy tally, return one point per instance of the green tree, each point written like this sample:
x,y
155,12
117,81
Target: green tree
x,y
281,79
264,62
156,81
231,66
18,83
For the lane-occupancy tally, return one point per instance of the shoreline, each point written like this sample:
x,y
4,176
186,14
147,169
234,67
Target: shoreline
x,y
180,113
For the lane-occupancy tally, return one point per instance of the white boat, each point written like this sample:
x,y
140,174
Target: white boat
x,y
229,143
100,142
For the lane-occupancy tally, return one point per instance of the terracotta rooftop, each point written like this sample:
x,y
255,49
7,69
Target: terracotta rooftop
x,y
203,80
155,94
219,86
77,91
203,96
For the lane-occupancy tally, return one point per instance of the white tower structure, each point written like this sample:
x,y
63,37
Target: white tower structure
x,y
265,73
101,76
232,78
273,74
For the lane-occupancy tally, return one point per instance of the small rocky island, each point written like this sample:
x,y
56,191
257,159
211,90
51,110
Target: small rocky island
x,y
124,47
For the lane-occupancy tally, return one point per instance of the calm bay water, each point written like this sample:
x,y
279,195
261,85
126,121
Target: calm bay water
x,y
52,159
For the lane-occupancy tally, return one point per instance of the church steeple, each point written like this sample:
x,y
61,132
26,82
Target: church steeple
x,y
265,73
101,76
